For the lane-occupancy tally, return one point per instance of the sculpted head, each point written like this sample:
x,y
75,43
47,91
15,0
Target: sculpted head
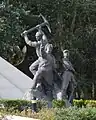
x,y
66,53
48,48
39,35
44,39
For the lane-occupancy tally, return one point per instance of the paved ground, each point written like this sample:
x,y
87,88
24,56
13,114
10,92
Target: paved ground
x,y
17,118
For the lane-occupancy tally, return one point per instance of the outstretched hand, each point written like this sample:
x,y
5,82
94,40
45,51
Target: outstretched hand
x,y
24,33
38,27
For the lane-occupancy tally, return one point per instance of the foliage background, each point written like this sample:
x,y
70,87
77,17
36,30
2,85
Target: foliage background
x,y
73,24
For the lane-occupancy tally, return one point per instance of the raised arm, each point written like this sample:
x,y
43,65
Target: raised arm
x,y
29,42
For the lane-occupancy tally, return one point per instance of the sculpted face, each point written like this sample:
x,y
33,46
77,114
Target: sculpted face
x,y
66,53
38,35
44,39
49,48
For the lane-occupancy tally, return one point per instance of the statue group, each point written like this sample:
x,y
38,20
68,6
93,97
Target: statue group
x,y
48,83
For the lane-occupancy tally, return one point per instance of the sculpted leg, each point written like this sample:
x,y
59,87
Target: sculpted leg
x,y
34,67
66,79
48,78
36,78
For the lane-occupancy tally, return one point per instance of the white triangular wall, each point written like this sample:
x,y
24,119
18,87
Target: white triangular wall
x,y
13,83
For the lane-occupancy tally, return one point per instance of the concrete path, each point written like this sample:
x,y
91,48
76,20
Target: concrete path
x,y
17,118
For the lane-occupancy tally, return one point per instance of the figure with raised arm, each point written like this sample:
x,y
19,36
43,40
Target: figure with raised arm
x,y
39,36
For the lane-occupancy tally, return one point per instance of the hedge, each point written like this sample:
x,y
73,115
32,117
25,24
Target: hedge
x,y
84,103
76,114
10,105
81,110
71,113
22,104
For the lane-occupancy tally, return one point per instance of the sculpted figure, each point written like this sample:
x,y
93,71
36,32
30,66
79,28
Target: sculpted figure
x,y
45,70
39,36
42,68
68,79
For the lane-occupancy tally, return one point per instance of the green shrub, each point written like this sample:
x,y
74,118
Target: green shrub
x,y
19,105
66,114
58,103
79,103
57,113
84,103
14,104
76,114
47,114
